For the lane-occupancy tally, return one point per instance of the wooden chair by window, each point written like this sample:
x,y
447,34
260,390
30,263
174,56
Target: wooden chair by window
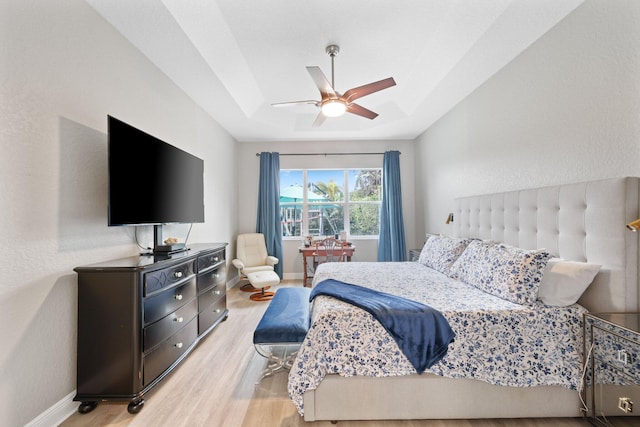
x,y
310,253
328,250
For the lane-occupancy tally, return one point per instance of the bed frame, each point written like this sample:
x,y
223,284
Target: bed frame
x,y
582,222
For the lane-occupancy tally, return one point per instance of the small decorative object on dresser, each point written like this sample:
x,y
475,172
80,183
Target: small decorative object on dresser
x,y
139,317
612,379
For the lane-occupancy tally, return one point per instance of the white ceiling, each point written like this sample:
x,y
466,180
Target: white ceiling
x,y
235,58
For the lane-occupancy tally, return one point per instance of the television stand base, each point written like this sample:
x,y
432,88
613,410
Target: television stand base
x,y
161,254
176,247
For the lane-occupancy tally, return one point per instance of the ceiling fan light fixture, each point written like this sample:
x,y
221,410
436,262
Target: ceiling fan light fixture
x,y
333,107
334,104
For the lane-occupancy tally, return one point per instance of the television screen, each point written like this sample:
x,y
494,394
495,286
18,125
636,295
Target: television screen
x,y
151,181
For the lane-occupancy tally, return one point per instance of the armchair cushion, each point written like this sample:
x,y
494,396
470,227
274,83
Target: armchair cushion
x,y
248,270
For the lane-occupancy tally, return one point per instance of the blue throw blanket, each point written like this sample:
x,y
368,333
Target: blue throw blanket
x,y
422,332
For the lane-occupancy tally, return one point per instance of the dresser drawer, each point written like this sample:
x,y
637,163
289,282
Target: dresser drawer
x,y
208,297
619,400
163,356
216,276
157,332
157,281
210,260
617,352
169,301
211,314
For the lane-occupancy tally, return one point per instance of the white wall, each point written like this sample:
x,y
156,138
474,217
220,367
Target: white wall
x,y
63,69
248,175
566,110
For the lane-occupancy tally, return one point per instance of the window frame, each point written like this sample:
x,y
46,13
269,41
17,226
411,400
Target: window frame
x,y
345,203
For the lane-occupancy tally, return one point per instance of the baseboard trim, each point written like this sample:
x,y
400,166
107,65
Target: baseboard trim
x,y
233,282
56,414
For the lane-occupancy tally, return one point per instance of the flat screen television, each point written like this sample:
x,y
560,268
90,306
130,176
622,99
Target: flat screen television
x,y
152,182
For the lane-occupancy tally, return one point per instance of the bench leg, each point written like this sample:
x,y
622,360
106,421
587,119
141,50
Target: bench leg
x,y
276,363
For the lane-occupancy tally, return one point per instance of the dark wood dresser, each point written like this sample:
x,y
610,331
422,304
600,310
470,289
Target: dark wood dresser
x,y
139,317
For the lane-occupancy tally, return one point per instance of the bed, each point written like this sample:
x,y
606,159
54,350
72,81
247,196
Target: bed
x,y
348,369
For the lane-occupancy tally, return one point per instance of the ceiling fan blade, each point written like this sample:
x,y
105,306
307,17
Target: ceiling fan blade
x,y
293,103
361,111
360,91
319,119
321,81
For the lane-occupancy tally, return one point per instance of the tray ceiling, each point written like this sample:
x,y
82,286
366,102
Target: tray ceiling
x,y
235,58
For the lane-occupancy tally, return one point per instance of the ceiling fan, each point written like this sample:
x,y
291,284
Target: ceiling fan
x,y
334,104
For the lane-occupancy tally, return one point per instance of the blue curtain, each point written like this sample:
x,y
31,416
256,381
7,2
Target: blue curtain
x,y
268,222
392,246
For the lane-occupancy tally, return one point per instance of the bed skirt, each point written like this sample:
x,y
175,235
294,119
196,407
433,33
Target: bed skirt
x,y
429,396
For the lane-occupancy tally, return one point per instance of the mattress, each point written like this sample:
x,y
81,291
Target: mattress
x,y
497,341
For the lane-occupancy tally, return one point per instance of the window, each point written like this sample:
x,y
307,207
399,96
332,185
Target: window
x,y
314,202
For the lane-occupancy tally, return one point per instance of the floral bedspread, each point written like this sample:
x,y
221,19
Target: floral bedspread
x,y
497,341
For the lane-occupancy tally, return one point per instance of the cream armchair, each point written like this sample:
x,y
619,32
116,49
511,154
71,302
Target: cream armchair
x,y
253,262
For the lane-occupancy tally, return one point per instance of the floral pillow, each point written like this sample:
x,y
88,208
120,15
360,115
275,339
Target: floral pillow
x,y
440,252
505,271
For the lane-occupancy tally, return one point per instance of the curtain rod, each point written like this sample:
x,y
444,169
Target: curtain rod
x,y
327,154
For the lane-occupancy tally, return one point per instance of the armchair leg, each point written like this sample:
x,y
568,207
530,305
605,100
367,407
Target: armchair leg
x,y
250,288
261,295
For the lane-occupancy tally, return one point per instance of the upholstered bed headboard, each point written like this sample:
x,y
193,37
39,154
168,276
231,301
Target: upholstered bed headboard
x,y
582,222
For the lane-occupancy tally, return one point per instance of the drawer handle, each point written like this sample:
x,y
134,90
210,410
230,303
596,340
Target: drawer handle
x,y
625,405
178,319
178,345
217,275
216,292
177,274
623,357
216,259
178,297
217,310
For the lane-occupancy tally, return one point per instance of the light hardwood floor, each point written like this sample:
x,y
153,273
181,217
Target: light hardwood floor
x,y
215,387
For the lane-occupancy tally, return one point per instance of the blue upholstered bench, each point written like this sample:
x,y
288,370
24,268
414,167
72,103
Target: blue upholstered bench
x,y
283,327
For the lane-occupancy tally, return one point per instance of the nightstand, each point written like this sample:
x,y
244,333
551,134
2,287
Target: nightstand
x,y
612,380
414,254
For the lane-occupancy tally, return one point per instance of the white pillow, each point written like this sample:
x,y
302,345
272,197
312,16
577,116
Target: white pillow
x,y
564,282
